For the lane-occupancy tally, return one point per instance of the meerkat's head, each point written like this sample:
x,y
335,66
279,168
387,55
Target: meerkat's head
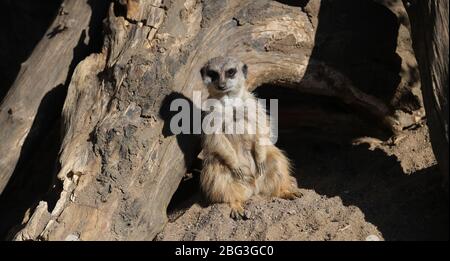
x,y
224,76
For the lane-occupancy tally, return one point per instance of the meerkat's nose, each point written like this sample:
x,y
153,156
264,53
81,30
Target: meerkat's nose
x,y
222,85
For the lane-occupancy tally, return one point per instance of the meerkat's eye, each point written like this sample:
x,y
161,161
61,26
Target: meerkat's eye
x,y
213,75
230,73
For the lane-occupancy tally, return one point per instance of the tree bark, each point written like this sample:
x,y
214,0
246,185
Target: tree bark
x,y
120,164
429,27
32,103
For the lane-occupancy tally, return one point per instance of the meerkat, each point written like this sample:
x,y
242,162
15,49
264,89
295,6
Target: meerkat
x,y
239,166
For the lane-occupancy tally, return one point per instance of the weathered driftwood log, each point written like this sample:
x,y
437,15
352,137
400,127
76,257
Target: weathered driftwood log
x,y
23,24
120,164
40,83
429,32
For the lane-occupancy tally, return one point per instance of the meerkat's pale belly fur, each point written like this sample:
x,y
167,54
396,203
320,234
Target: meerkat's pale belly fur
x,y
223,152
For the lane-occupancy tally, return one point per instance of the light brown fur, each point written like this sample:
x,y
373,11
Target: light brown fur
x,y
236,166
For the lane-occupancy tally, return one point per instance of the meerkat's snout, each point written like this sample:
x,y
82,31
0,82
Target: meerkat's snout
x,y
222,85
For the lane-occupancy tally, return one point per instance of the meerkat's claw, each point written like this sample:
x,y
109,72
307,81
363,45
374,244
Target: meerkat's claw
x,y
238,173
291,195
297,193
247,214
238,212
260,168
235,214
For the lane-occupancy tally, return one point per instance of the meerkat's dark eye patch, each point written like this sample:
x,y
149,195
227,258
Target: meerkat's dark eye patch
x,y
230,73
213,75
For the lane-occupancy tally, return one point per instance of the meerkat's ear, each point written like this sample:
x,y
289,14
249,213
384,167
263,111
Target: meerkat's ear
x,y
245,70
203,72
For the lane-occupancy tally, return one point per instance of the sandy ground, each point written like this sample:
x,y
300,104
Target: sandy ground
x,y
313,217
350,193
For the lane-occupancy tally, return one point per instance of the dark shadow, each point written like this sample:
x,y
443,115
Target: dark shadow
x,y
359,39
187,193
34,177
319,117
30,182
22,23
189,145
401,206
316,132
299,3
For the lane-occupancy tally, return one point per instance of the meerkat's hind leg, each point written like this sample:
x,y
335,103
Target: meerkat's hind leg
x,y
278,181
288,187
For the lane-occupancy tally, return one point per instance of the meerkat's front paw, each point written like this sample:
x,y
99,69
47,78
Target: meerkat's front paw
x,y
260,168
237,172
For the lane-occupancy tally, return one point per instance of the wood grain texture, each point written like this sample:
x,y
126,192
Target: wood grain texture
x,y
429,27
43,72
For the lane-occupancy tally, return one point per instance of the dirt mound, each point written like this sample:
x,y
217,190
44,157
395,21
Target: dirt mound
x,y
312,217
391,191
